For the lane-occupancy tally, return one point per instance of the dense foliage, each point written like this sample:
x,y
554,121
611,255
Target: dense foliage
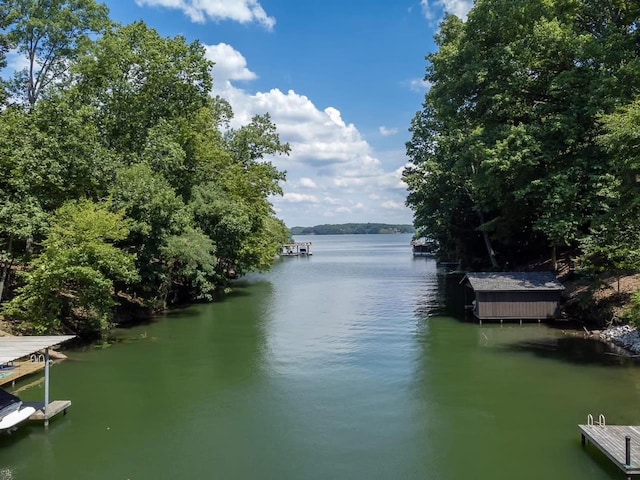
x,y
527,141
121,177
352,228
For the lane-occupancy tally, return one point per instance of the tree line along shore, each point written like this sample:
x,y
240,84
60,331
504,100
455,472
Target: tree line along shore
x,y
525,153
353,229
123,182
126,190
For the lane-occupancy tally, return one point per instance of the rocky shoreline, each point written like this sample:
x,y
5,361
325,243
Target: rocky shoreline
x,y
624,336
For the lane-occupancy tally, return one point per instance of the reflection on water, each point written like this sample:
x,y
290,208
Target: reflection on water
x,y
355,363
580,351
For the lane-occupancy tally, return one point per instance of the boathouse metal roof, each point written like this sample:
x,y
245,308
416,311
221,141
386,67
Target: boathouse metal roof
x,y
13,348
512,281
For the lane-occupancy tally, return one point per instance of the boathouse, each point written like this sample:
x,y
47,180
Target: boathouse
x,y
514,295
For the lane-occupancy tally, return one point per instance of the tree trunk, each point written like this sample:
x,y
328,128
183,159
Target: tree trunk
x,y
6,267
487,243
554,258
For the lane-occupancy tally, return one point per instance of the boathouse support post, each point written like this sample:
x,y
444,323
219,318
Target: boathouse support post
x,y
627,450
46,386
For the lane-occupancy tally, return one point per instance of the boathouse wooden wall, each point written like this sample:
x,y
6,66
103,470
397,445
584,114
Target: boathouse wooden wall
x,y
525,305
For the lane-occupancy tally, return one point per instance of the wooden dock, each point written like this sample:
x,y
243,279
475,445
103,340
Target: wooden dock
x,y
53,409
621,443
19,370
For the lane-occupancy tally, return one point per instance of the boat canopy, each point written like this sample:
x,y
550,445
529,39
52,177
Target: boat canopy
x,y
8,403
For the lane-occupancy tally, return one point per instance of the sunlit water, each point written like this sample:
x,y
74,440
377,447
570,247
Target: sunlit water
x,y
352,364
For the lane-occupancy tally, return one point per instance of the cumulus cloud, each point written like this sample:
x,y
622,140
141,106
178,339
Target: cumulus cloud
x,y
385,132
230,64
243,11
291,197
459,8
345,168
390,204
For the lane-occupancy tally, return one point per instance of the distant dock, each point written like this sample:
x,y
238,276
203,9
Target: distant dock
x,y
621,443
296,249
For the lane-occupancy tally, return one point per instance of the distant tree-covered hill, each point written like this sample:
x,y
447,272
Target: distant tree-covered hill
x,y
351,228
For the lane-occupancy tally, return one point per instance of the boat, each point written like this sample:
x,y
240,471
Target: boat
x,y
12,411
424,247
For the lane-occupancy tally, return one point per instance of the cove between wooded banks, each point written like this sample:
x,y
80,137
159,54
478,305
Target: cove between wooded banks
x,y
354,363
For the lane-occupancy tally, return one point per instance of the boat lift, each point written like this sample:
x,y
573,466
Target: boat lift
x,y
13,348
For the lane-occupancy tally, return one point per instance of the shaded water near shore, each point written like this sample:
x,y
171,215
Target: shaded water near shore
x,y
352,364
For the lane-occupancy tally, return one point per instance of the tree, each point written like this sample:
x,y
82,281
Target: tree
x,y
190,266
51,34
138,78
70,287
155,213
22,216
4,48
504,146
614,241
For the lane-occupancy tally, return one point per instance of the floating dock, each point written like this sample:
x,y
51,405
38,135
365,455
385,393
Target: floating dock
x,y
621,443
296,249
45,414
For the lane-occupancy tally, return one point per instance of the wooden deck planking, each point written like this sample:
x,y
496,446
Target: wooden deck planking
x,y
610,440
53,409
23,368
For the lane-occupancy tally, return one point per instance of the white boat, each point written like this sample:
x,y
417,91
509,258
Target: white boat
x,y
12,411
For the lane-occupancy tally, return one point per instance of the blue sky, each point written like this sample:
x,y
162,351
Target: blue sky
x,y
341,79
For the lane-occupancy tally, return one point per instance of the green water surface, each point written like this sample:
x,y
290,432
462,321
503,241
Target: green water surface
x,y
351,364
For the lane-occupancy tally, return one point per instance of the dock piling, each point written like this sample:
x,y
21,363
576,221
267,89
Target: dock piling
x,y
627,450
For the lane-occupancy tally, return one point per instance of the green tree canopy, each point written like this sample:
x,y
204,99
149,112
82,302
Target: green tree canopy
x,y
51,34
69,288
504,152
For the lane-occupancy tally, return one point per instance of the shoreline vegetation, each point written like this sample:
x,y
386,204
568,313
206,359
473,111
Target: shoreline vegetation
x,y
532,162
353,229
126,189
127,192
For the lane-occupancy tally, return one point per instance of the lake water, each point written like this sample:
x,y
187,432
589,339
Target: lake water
x,y
352,364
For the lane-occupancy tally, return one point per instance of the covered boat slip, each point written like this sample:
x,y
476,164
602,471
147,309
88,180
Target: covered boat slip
x,y
14,348
514,295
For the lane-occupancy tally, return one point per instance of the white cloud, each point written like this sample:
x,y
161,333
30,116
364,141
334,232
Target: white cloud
x,y
419,85
324,146
390,204
16,62
459,8
243,11
291,197
385,132
307,183
230,64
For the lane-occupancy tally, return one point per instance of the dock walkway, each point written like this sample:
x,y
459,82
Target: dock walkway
x,y
53,409
18,370
621,443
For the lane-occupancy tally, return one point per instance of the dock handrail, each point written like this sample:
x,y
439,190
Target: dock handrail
x,y
601,420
